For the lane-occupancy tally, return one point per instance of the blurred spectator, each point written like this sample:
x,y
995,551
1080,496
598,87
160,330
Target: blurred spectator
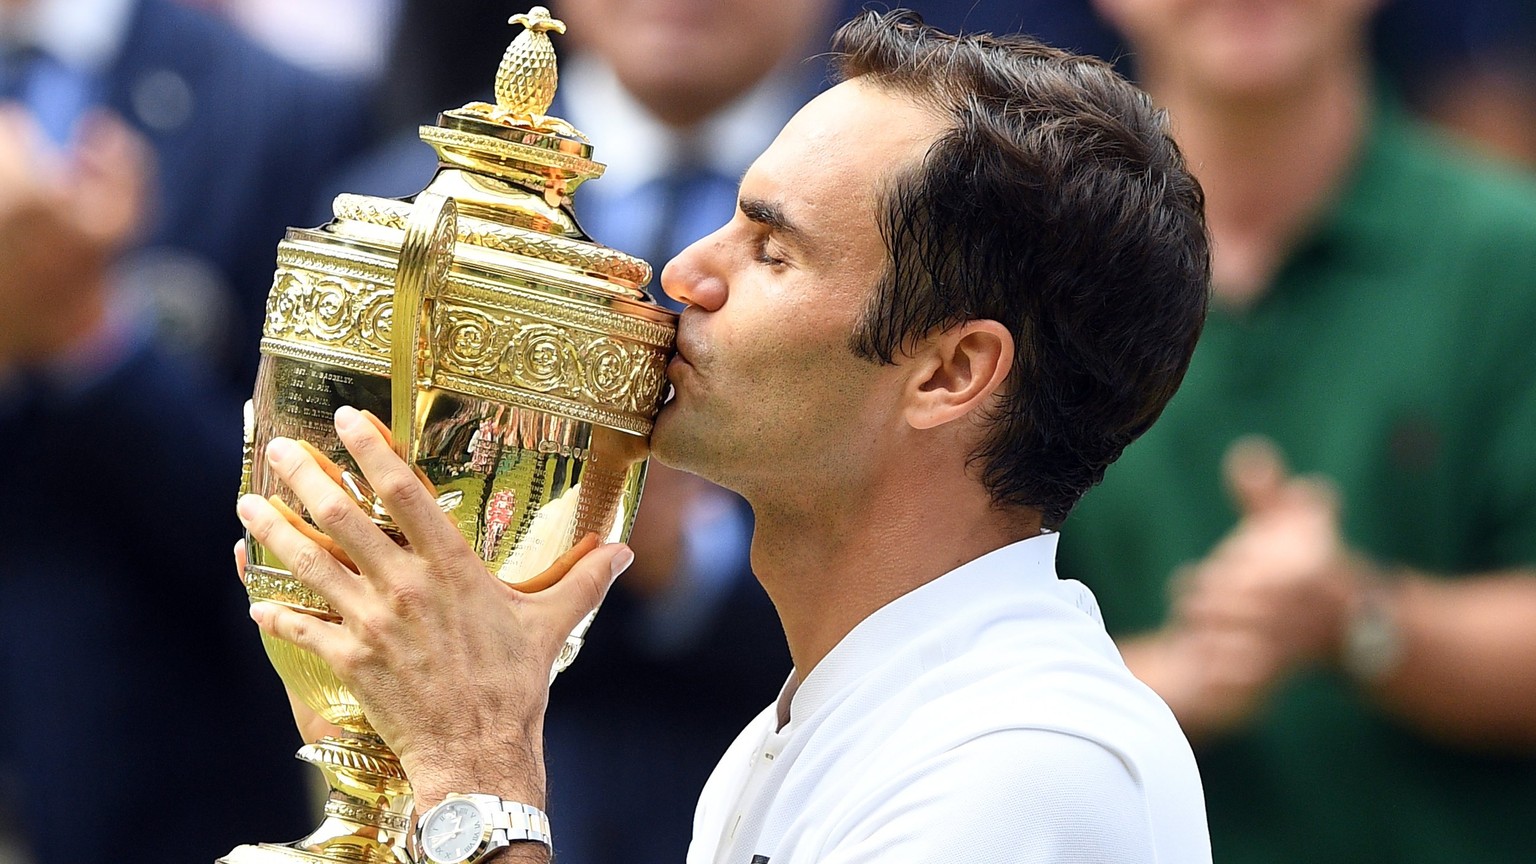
x,y
678,98
1468,65
1342,613
149,159
340,38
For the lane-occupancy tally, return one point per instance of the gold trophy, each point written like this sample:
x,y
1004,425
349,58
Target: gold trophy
x,y
519,363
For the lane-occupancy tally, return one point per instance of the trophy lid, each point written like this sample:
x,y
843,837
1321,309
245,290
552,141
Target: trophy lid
x,y
512,170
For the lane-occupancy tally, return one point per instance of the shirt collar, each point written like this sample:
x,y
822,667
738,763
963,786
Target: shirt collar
x,y
1027,566
84,35
638,148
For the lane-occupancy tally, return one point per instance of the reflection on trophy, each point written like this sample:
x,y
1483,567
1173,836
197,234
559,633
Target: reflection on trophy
x,y
519,365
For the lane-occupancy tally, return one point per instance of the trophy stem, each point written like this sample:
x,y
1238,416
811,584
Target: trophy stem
x,y
367,812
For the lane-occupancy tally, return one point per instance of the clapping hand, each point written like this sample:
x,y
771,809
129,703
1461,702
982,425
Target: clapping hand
x,y
1273,597
64,217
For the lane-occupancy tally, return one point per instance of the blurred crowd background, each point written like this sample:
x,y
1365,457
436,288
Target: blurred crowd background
x,y
1320,558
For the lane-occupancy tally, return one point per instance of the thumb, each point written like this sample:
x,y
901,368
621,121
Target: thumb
x,y
583,588
1316,493
1255,473
240,559
110,176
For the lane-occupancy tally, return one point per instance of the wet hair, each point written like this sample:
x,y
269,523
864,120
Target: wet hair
x,y
1056,203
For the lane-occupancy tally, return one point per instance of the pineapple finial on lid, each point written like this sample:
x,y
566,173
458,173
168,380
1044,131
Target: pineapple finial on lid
x,y
527,77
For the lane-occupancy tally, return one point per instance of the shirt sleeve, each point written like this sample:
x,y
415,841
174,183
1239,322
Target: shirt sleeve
x,y
1023,796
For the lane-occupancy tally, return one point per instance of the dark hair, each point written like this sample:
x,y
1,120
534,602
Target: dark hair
x,y
1058,205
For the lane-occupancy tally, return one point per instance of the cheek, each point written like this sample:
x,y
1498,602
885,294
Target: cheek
x,y
790,370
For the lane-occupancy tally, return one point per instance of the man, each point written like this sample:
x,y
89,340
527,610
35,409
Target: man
x,y
139,141
1350,645
955,286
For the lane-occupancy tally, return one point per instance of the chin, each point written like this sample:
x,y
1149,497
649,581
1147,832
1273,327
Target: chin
x,y
674,447
1253,74
668,442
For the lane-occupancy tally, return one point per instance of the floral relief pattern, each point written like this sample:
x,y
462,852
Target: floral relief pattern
x,y
545,358
344,312
503,348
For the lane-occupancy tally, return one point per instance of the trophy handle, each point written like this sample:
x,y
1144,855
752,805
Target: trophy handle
x,y
425,258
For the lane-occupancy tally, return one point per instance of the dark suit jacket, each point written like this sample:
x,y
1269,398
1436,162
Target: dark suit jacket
x,y
135,704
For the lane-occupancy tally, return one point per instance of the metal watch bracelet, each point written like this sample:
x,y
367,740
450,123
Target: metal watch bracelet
x,y
1372,641
522,822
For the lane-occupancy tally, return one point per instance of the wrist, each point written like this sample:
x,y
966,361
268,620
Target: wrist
x,y
1370,646
510,768
521,853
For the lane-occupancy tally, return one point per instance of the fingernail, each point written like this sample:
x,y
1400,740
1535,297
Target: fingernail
x,y
245,508
279,450
258,612
622,559
346,418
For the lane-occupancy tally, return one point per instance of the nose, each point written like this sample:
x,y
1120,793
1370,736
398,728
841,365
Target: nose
x,y
693,279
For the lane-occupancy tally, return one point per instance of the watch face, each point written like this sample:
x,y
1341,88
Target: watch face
x,y
452,832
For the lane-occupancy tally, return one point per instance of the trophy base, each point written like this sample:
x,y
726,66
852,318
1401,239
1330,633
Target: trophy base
x,y
273,853
367,813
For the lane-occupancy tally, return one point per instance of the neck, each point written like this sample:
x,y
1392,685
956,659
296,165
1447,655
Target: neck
x,y
1268,163
828,564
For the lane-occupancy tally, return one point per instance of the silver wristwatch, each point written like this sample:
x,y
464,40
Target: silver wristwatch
x,y
1373,644
462,829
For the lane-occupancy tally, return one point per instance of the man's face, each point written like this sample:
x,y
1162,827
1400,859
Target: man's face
x,y
1241,48
687,53
769,395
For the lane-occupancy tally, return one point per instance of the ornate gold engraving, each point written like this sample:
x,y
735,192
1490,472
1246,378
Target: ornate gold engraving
x,y
526,352
543,347
331,310
517,240
366,815
512,151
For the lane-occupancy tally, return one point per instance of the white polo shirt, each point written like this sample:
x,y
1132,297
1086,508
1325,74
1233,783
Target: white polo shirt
x,y
984,717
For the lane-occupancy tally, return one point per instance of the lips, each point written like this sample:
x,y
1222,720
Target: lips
x,y
675,368
687,347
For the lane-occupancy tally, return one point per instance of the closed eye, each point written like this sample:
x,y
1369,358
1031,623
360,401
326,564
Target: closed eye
x,y
763,256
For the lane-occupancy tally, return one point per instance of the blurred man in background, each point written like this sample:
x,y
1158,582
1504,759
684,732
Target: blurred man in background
x,y
1342,613
678,97
1468,65
149,159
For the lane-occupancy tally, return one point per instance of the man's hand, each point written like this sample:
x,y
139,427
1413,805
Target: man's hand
x,y
451,665
312,727
63,218
1283,573
1275,595
1214,680
1280,592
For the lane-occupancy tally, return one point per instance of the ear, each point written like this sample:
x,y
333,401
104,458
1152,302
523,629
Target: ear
x,y
957,371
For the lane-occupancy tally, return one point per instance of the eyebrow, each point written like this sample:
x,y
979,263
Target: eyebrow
x,y
771,215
